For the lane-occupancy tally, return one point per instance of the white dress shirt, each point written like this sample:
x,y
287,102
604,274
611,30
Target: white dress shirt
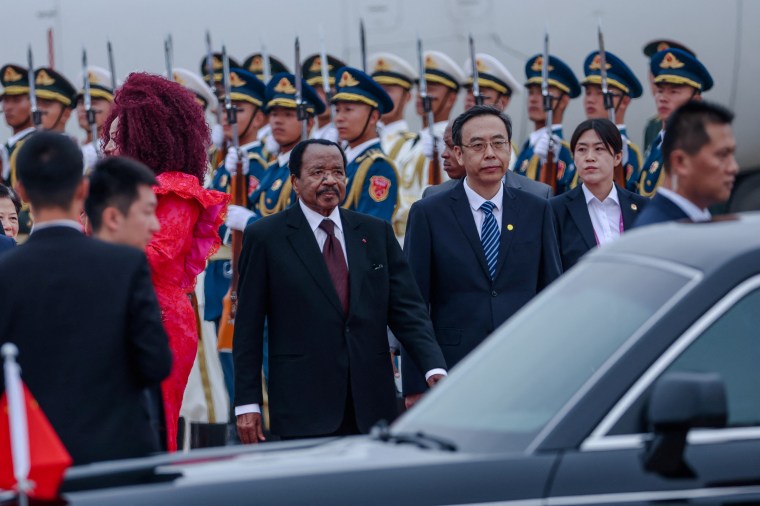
x,y
56,223
283,158
692,211
353,153
476,201
606,216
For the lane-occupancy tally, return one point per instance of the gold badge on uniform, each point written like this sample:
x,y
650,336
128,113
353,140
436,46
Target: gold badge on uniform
x,y
430,62
347,80
671,62
236,80
44,79
217,63
634,207
538,64
379,187
276,185
256,64
177,79
10,75
316,65
510,227
381,65
596,63
482,67
284,86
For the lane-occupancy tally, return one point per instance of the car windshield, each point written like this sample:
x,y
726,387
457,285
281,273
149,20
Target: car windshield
x,y
506,391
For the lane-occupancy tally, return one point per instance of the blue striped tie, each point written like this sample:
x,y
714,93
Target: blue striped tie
x,y
489,237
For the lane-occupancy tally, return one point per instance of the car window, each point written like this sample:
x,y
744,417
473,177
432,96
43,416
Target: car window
x,y
531,366
729,347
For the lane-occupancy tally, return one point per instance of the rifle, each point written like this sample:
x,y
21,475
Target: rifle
x,y
619,172
111,66
475,75
168,49
237,190
324,67
36,113
302,113
434,170
87,97
549,172
363,45
267,67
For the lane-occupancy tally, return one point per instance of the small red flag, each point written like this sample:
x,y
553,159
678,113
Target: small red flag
x,y
47,455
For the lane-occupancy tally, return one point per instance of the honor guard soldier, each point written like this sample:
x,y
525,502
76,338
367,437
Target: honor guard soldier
x,y
496,86
563,86
372,181
17,110
678,78
312,72
217,65
397,77
55,98
247,97
101,100
275,192
216,151
255,65
443,78
623,86
654,125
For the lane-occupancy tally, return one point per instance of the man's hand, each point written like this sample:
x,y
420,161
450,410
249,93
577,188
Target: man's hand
x,y
250,430
411,400
435,378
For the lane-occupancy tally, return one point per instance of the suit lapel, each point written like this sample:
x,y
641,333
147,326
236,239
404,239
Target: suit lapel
x,y
305,245
510,216
358,264
460,206
576,205
627,207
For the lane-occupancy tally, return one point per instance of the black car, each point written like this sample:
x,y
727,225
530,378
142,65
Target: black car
x,y
634,379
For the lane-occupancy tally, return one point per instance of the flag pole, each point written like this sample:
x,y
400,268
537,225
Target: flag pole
x,y
19,432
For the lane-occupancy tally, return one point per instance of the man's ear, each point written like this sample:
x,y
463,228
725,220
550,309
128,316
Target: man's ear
x,y
294,183
459,155
451,98
563,101
678,163
502,102
111,219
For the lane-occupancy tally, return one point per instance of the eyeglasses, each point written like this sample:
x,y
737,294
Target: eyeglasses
x,y
479,147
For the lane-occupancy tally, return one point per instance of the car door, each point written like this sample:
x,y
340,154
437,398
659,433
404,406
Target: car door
x,y
724,462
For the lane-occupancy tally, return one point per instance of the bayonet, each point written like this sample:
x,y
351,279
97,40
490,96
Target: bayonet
x,y
548,175
301,112
211,78
231,111
36,113
324,67
475,75
363,43
111,66
608,105
87,98
267,67
168,57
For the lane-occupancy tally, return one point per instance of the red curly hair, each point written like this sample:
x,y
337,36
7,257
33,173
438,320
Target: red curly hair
x,y
160,124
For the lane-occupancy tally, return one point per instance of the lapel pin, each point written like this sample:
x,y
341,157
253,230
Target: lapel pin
x,y
634,207
364,241
510,227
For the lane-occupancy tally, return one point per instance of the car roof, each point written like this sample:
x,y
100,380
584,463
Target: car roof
x,y
704,246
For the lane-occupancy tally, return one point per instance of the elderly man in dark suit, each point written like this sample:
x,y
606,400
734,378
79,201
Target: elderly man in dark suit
x,y
6,243
456,172
328,281
83,314
480,251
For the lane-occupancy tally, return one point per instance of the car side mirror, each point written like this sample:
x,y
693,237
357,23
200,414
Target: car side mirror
x,y
679,402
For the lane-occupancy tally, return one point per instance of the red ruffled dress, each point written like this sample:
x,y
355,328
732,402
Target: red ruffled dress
x,y
190,217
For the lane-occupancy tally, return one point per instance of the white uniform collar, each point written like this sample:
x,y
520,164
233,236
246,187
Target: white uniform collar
x,y
352,153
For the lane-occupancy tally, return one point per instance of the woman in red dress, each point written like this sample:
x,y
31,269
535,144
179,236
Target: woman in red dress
x,y
159,123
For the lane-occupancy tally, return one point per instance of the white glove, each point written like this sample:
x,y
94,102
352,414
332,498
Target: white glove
x,y
625,151
237,217
231,161
541,148
5,164
271,145
427,144
89,157
217,136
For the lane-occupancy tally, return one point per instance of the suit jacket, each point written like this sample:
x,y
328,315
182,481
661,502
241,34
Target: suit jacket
x,y
512,179
660,209
447,259
85,318
6,243
315,351
575,233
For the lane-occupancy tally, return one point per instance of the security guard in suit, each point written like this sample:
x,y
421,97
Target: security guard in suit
x,y
678,77
563,86
372,181
623,86
312,72
397,77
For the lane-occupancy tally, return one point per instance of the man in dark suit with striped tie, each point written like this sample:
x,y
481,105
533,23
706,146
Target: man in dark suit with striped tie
x,y
480,251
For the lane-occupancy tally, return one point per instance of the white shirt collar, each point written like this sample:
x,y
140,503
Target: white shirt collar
x,y
476,200
13,139
283,158
352,153
314,218
250,145
395,127
56,223
686,205
613,195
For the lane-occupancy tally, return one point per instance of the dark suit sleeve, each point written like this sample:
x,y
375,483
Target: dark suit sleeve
x,y
407,313
551,264
247,350
149,344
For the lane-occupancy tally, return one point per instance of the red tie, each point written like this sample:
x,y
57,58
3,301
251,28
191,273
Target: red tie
x,y
336,263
